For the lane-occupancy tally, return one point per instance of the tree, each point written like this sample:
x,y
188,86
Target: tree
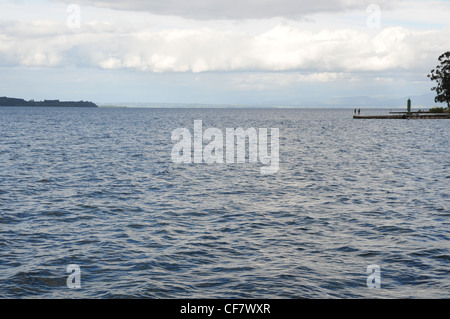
x,y
441,74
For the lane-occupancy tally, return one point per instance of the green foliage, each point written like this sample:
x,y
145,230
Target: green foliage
x,y
441,74
437,110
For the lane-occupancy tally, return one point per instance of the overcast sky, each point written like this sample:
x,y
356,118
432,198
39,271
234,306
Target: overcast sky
x,y
333,53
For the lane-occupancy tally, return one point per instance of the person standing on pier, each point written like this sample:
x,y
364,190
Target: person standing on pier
x,y
359,111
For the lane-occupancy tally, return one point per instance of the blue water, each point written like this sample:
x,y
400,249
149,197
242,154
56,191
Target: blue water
x,y
97,188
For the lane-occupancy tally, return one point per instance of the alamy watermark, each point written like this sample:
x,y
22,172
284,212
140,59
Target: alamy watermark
x,y
374,19
74,279
73,21
235,146
374,278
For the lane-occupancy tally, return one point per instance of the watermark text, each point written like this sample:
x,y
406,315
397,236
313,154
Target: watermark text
x,y
234,141
374,278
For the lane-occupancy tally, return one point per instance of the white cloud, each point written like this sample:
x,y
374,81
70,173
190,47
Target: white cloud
x,y
214,50
282,48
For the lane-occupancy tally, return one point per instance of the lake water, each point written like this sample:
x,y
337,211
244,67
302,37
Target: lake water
x,y
97,188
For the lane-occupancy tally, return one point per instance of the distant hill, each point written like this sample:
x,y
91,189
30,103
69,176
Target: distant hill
x,y
8,101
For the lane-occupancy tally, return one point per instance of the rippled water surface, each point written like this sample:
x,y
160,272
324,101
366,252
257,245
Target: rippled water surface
x,y
97,188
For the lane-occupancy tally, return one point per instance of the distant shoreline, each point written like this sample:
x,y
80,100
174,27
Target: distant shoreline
x,y
16,102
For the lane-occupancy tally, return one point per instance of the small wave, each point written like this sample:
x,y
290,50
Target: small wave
x,y
136,226
56,213
393,229
347,249
37,281
44,180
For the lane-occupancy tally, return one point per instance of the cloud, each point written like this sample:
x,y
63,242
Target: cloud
x,y
282,48
229,52
233,9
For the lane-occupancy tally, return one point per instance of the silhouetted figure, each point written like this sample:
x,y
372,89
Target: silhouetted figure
x,y
359,111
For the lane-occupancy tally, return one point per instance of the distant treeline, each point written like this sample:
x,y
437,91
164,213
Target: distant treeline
x,y
7,101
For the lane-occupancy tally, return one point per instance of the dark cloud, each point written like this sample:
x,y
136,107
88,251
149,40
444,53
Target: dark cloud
x,y
234,9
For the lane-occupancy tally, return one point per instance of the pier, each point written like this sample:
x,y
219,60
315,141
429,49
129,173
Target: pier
x,y
406,115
